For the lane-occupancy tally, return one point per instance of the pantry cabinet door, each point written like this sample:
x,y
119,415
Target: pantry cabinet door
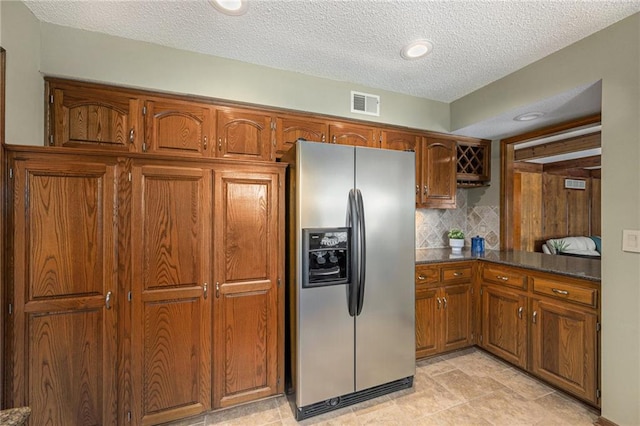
x,y
246,307
63,355
171,310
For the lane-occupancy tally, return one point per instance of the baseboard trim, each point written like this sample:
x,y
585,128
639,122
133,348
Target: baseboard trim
x,y
604,422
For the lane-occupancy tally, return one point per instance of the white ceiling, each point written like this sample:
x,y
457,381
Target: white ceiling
x,y
475,42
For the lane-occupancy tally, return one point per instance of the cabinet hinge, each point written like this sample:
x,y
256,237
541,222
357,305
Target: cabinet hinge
x,y
481,338
144,110
598,326
144,146
10,309
279,282
11,173
278,381
598,393
50,139
128,416
273,125
129,296
480,292
50,99
130,177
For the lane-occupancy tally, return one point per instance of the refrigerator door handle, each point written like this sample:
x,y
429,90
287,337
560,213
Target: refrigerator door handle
x,y
362,252
352,222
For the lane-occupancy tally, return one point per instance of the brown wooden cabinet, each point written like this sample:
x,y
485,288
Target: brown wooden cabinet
x,y
248,320
504,324
436,182
473,167
443,308
63,290
171,337
177,127
290,129
89,117
354,134
400,141
245,134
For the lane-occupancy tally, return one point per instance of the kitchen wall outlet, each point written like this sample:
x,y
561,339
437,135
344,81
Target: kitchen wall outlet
x,y
631,240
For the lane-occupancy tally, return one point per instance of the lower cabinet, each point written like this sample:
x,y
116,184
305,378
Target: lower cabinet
x,y
142,290
443,309
504,324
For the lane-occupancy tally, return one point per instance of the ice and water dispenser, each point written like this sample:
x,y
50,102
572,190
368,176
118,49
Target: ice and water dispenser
x,y
326,256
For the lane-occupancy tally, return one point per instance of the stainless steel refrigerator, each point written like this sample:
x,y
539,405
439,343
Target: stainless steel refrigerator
x,y
351,260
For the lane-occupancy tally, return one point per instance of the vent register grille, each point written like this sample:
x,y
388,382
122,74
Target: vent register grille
x,y
365,103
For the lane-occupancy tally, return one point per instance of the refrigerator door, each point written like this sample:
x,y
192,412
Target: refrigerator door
x,y
385,336
325,175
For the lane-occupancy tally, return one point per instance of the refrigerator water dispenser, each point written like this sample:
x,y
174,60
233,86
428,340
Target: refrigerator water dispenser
x,y
326,257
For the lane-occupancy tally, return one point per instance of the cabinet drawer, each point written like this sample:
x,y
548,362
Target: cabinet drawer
x,y
455,274
504,276
565,291
427,274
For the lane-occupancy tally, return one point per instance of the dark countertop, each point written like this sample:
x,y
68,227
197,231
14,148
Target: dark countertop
x,y
576,267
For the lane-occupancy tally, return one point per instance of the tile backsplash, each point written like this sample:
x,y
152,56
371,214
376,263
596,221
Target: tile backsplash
x,y
432,225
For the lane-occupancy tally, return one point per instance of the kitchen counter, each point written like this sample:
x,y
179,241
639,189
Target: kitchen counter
x,y
576,267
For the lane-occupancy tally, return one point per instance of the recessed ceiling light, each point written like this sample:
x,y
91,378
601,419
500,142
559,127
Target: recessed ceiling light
x,y
528,116
230,7
416,49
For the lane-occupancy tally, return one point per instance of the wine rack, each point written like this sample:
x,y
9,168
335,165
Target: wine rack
x,y
474,163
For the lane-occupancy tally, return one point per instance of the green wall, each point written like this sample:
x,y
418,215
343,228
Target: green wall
x,y
612,55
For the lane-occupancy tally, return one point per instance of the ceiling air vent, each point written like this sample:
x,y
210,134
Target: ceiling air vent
x,y
575,184
365,103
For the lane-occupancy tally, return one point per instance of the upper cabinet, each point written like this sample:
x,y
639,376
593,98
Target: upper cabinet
x,y
400,141
474,162
436,183
291,128
245,134
178,127
354,134
87,117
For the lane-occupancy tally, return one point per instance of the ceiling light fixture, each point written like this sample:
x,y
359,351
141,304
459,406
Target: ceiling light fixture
x,y
230,7
528,116
416,49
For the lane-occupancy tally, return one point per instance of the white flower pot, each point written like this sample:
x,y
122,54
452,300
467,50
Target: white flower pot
x,y
456,245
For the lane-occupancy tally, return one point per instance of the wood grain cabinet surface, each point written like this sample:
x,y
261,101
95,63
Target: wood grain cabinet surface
x,y
245,134
354,134
135,298
443,308
289,129
437,174
62,333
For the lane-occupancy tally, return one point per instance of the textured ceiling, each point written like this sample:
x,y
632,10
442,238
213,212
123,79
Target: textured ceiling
x,y
475,42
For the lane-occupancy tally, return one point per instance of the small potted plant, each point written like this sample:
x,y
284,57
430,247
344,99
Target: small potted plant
x,y
456,240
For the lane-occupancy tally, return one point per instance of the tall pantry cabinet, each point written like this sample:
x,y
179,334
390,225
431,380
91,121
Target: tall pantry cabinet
x,y
143,289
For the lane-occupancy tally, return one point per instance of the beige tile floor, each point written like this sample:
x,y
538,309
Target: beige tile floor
x,y
469,387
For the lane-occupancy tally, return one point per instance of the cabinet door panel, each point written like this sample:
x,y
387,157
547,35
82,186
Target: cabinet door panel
x,y
63,334
457,316
427,323
399,141
171,332
289,130
438,173
177,127
244,135
246,319
504,331
94,118
564,348
344,134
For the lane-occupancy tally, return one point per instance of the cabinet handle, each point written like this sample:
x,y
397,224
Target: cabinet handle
x,y
323,138
563,292
439,302
217,290
219,144
421,277
107,300
205,143
520,309
444,299
503,278
458,274
205,290
424,191
132,135
535,317
333,139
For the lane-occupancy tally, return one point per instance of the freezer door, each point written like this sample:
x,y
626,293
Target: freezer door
x,y
325,330
385,336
